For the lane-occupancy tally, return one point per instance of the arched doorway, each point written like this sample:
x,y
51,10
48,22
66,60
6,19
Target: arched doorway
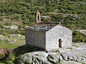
x,y
60,43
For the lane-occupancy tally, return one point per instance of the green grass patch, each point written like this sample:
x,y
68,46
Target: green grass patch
x,y
75,45
69,48
8,46
9,62
4,44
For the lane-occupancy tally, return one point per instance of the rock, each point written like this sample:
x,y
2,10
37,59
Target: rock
x,y
54,58
14,40
1,39
69,62
64,55
35,58
41,57
14,35
70,57
1,35
74,58
47,62
11,43
19,35
7,39
74,55
61,58
10,35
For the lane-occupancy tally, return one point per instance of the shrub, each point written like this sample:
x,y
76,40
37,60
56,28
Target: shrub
x,y
2,26
1,19
17,16
2,56
26,21
8,17
23,32
9,62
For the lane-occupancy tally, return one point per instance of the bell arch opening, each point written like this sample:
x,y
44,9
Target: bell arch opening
x,y
60,43
38,17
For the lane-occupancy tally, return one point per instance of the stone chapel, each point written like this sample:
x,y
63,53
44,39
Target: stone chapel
x,y
48,36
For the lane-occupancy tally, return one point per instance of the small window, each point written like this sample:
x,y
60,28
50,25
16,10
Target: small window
x,y
60,43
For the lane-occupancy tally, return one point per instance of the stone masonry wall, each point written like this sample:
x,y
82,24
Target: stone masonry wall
x,y
35,38
56,33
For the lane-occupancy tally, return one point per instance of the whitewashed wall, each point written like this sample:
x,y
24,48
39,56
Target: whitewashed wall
x,y
56,33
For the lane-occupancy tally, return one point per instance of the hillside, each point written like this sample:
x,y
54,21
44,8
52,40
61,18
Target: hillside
x,y
23,11
20,14
70,13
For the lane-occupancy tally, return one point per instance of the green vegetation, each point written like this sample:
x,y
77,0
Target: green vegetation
x,y
22,13
12,55
75,45
5,44
78,37
11,59
26,11
9,31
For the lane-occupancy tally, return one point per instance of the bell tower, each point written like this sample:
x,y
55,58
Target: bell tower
x,y
38,17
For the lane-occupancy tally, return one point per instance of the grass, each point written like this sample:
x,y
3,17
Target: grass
x,y
69,48
10,60
55,50
75,45
5,44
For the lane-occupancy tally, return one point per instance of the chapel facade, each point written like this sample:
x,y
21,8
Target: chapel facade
x,y
48,36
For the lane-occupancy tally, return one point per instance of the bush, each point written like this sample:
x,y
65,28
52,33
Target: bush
x,y
2,56
20,26
1,19
9,62
78,37
26,21
23,32
17,16
8,17
2,26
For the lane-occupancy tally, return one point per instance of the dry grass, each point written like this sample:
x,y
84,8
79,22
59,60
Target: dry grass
x,y
5,44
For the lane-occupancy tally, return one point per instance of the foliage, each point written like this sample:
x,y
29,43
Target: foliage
x,y
9,62
2,56
1,19
17,16
27,10
78,37
24,11
11,58
56,18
